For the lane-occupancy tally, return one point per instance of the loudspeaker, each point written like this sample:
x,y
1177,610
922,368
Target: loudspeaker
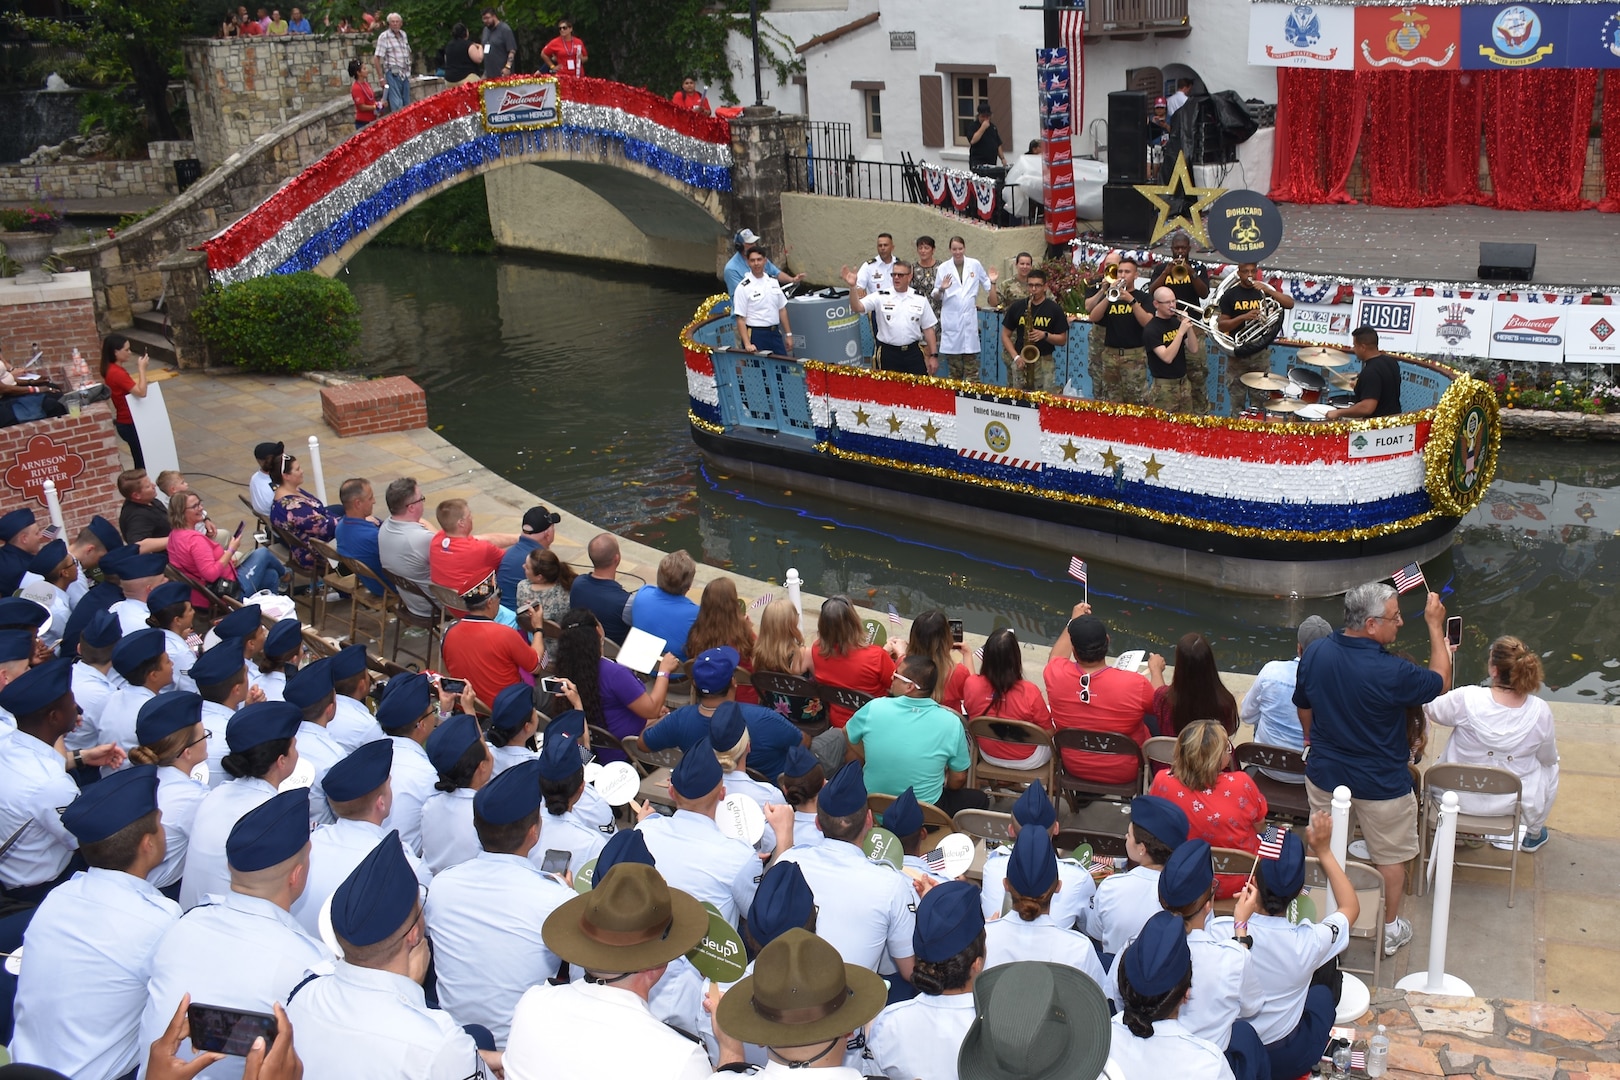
x,y
1127,214
1127,137
1507,262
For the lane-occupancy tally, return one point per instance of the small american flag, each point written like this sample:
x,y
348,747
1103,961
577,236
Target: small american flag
x,y
761,600
1358,1060
1271,844
894,616
1077,568
1407,577
936,860
978,654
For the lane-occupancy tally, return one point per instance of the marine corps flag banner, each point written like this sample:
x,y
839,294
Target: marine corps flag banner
x,y
1408,38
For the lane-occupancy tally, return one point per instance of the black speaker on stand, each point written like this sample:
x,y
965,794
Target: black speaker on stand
x,y
1127,214
1127,137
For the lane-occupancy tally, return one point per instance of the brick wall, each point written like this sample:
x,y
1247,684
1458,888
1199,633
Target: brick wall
x,y
375,406
85,445
59,316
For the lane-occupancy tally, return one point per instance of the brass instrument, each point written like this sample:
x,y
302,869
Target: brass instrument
x,y
1029,354
1111,276
1250,337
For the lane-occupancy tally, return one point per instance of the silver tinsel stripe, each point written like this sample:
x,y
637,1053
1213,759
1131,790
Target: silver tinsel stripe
x,y
607,119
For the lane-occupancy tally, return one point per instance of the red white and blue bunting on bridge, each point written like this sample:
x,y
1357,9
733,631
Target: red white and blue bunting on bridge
x,y
956,189
383,165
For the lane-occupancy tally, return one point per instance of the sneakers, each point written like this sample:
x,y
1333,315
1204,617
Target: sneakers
x,y
1401,935
1534,840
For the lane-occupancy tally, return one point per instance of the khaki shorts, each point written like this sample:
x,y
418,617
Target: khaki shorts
x,y
1388,825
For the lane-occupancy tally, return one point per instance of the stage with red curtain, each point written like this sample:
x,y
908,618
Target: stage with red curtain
x,y
1419,133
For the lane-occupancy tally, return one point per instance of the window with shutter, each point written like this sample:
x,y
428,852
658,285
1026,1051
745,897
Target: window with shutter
x,y
1001,112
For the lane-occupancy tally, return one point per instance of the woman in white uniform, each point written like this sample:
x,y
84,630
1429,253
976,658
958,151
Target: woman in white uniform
x,y
801,781
1028,931
169,734
1148,1039
921,1038
513,723
464,765
958,284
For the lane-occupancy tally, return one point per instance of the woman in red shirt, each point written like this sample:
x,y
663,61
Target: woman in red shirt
x,y
687,97
1002,691
115,351
842,657
1222,805
365,99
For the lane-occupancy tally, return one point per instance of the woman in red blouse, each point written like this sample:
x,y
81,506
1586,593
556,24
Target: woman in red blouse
x,y
1002,691
842,656
116,351
1223,807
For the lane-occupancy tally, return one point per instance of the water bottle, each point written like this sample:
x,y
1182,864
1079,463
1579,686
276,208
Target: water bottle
x,y
1378,1053
1341,1057
80,371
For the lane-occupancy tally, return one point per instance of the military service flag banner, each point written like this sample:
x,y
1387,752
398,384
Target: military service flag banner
x,y
1594,36
1515,36
1300,35
1408,38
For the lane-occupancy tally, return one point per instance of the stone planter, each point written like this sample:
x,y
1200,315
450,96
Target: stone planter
x,y
28,250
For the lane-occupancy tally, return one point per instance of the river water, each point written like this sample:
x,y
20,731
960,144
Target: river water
x,y
567,378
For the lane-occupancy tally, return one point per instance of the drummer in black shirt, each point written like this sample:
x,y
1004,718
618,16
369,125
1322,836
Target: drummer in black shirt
x,y
1242,304
1191,285
1165,337
1120,374
1048,327
1378,387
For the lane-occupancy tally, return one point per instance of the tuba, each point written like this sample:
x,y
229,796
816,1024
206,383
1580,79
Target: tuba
x,y
1251,337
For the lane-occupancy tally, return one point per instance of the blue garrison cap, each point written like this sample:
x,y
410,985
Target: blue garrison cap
x,y
240,623
512,708
697,773
845,793
1188,874
713,668
511,796
571,722
168,594
949,919
559,757
1162,818
624,846
310,683
21,613
727,727
378,897
798,761
49,558
270,833
1033,865
37,687
904,817
113,803
132,567
1283,876
106,532
348,662
16,644
166,714
404,701
219,664
262,722
15,522
103,630
137,649
284,638
1159,957
117,557
782,902
450,740
1034,807
362,772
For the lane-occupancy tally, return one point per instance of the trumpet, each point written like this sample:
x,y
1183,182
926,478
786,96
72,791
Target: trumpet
x,y
1111,276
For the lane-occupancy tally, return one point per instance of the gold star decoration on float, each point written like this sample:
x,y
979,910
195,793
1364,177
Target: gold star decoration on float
x,y
1180,185
1110,459
1152,466
931,430
860,416
894,423
1070,450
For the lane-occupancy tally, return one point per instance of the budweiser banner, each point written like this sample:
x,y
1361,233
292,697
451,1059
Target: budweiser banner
x,y
1522,331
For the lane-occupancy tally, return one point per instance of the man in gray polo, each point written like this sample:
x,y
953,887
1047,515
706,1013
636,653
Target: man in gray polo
x,y
500,46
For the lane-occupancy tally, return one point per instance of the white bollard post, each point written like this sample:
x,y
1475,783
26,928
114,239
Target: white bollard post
x,y
54,505
793,585
1340,842
315,469
1435,980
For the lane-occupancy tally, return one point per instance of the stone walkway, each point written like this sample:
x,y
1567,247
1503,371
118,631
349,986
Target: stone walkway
x,y
1560,942
1432,1036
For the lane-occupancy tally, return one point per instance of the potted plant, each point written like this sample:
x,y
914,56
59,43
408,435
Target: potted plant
x,y
27,234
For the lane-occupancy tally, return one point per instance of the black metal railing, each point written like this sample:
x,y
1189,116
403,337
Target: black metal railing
x,y
847,178
828,139
1109,18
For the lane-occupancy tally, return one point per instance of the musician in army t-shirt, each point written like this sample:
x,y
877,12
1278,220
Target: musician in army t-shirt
x,y
1244,303
1190,283
1165,337
1120,375
1036,320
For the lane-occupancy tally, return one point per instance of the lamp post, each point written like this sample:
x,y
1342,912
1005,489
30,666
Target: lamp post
x,y
753,33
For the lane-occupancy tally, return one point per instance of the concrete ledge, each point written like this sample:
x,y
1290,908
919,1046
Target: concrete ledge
x,y
374,407
1542,424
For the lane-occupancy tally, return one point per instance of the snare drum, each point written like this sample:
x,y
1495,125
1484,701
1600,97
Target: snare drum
x,y
1305,385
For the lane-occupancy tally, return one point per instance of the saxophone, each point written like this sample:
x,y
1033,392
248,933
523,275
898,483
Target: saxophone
x,y
1029,354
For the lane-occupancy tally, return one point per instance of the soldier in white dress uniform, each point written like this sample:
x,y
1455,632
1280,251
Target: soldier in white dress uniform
x,y
88,949
172,739
54,568
563,788
353,726
138,575
800,783
904,818
367,1020
169,604
1028,932
1156,971
224,681
147,670
1034,809
512,724
95,680
1124,902
285,643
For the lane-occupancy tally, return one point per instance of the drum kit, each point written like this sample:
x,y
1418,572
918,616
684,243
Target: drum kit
x,y
1304,393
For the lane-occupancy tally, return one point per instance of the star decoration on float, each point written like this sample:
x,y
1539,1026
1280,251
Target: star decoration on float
x,y
1110,459
1180,185
1152,466
1070,450
894,423
930,430
860,416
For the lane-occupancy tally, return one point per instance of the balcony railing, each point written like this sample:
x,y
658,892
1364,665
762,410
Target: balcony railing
x,y
1136,18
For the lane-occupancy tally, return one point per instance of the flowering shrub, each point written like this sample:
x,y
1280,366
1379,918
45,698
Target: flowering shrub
x,y
1559,396
35,218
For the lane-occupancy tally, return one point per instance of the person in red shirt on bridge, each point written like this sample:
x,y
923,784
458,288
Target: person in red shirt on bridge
x,y
565,53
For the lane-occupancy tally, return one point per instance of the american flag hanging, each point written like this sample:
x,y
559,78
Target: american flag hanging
x,y
1271,843
1071,26
761,600
1077,568
894,616
1407,577
936,860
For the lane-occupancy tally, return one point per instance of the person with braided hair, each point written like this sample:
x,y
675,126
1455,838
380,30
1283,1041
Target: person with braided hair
x,y
1155,973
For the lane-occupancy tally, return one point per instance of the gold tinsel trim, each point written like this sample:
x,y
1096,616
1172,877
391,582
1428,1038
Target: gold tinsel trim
x,y
703,425
1461,397
1248,531
704,311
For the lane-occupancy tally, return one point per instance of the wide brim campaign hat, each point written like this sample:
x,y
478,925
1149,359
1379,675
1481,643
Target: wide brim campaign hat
x,y
630,921
1035,1020
800,993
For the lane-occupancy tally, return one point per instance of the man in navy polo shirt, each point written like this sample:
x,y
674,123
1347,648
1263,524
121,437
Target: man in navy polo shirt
x,y
1352,695
539,530
770,733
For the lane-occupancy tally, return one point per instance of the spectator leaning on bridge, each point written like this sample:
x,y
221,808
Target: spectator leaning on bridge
x,y
393,62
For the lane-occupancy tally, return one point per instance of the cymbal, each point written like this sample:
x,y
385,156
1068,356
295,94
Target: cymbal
x,y
1284,405
1263,380
1322,357
1341,381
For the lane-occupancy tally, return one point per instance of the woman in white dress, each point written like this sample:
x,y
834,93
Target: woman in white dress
x,y
1504,725
958,284
464,764
1149,1039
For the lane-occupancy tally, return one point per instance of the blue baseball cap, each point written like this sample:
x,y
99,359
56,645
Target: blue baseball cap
x,y
310,684
904,817
512,708
845,793
697,773
242,623
727,727
404,700
377,898
102,630
782,902
48,558
166,714
1187,875
113,803
1159,957
1283,876
1033,867
559,758
270,833
511,796
38,687
219,664
136,649
1162,818
713,668
262,722
362,772
285,638
167,595
1034,807
450,740
949,919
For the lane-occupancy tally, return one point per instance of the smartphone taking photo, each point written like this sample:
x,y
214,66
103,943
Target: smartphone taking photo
x,y
228,1031
1454,631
